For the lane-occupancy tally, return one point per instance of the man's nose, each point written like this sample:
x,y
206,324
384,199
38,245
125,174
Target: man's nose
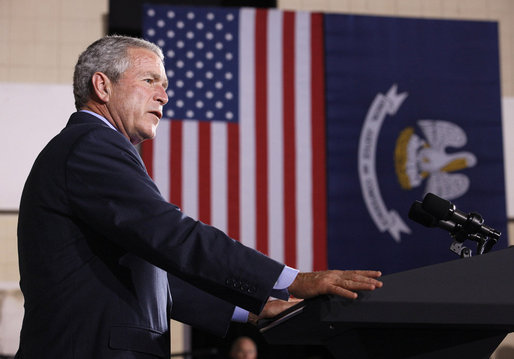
x,y
162,96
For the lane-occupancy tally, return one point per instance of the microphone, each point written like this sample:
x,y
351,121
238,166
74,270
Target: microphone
x,y
435,211
418,214
445,211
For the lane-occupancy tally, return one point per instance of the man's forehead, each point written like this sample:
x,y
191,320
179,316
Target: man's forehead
x,y
145,61
140,57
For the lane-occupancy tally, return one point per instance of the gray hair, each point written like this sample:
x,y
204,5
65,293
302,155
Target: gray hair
x,y
108,55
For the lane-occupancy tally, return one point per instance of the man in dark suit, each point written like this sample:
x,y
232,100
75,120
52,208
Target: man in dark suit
x,y
104,259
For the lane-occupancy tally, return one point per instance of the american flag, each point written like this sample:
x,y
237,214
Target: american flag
x,y
242,144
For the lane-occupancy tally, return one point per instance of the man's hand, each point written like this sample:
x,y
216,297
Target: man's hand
x,y
342,283
271,309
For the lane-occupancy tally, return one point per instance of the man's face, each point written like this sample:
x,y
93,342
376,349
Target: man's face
x,y
136,102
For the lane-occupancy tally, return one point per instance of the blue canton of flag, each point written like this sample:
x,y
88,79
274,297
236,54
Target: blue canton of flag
x,y
200,49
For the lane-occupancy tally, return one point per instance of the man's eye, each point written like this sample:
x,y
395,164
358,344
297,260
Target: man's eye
x,y
149,81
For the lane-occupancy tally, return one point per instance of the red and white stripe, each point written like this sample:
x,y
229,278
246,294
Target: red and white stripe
x,y
261,180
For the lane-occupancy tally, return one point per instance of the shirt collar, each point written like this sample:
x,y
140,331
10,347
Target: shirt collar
x,y
101,118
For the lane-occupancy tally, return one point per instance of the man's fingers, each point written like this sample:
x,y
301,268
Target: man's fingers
x,y
356,278
372,274
338,282
274,307
347,288
365,273
352,285
362,280
342,292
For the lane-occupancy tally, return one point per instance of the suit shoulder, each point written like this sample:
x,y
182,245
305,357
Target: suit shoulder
x,y
94,138
82,130
90,134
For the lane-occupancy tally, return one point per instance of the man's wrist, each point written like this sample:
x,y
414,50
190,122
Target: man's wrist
x,y
252,318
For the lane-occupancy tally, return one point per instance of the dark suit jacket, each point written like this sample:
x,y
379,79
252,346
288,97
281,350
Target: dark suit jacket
x,y
96,240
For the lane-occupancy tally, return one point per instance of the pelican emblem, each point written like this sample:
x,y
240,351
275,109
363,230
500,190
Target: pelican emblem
x,y
418,159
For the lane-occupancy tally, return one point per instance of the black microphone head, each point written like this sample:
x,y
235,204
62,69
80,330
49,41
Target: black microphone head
x,y
438,207
418,214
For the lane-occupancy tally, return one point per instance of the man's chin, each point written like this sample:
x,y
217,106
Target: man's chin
x,y
142,137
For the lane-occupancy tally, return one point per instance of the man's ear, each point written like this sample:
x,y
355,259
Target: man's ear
x,y
102,86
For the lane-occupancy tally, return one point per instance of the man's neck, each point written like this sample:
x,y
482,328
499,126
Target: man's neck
x,y
100,117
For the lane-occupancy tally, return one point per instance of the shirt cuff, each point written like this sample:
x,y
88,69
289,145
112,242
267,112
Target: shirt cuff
x,y
286,278
240,315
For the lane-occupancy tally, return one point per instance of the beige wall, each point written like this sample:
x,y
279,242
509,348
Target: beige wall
x,y
40,40
8,249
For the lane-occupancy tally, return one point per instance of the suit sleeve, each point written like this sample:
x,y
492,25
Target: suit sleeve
x,y
199,309
109,190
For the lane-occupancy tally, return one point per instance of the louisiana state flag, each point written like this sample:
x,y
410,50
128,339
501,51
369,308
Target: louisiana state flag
x,y
413,106
307,136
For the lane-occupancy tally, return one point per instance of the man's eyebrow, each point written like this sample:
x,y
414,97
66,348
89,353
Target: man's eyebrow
x,y
157,77
152,74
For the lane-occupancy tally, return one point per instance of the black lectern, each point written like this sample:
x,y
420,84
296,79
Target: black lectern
x,y
458,309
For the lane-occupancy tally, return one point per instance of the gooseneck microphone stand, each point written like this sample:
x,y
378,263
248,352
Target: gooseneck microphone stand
x,y
461,233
